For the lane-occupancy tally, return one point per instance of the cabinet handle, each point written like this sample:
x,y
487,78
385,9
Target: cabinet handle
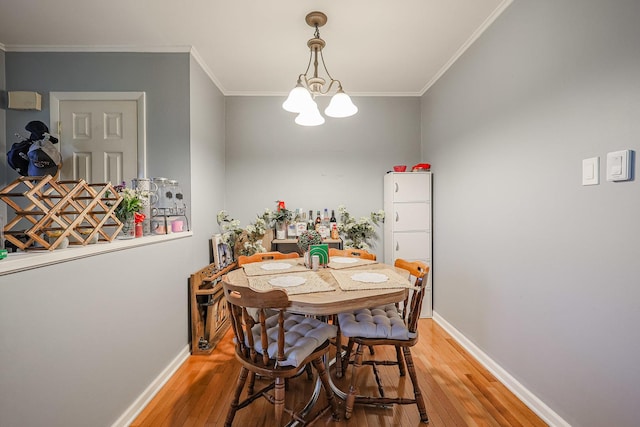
x,y
397,217
397,246
397,188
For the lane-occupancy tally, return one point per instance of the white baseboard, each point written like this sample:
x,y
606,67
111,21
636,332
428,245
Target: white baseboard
x,y
521,392
143,400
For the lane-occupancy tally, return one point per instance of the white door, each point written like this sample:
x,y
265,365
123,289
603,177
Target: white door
x,y
99,140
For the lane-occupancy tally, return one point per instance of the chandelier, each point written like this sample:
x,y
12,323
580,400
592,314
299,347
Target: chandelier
x,y
301,98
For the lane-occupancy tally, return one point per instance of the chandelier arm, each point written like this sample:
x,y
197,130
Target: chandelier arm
x,y
308,64
325,66
331,83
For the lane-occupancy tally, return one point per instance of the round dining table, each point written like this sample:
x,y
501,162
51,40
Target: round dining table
x,y
326,304
338,300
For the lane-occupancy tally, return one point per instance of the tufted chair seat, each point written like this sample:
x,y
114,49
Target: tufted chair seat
x,y
302,335
379,322
276,347
386,326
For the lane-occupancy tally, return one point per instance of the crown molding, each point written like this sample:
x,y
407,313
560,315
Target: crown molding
x,y
352,94
2,47
92,49
196,56
476,34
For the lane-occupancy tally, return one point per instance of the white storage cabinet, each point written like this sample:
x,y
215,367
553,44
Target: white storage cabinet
x,y
407,224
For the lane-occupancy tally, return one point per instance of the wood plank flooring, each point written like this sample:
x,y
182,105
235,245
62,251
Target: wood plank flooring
x,y
458,391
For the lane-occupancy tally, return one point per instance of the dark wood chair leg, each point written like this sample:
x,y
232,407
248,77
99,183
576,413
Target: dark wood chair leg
x,y
351,397
242,378
347,355
309,372
400,361
324,378
416,388
339,368
252,383
279,400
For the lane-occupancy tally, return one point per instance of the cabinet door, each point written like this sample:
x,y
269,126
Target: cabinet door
x,y
411,187
411,216
412,246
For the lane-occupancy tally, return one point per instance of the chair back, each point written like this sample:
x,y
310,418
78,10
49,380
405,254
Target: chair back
x,y
353,253
413,303
239,298
264,256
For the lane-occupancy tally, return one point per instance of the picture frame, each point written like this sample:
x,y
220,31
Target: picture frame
x,y
222,253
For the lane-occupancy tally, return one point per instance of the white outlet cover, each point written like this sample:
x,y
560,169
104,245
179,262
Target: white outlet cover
x,y
591,171
619,165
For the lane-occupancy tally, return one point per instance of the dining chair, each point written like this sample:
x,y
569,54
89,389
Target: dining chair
x,y
351,252
259,257
390,326
276,347
265,256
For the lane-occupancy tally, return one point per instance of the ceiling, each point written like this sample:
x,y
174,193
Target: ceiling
x,y
374,47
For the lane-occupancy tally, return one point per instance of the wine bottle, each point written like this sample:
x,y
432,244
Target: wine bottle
x,y
318,222
310,224
333,225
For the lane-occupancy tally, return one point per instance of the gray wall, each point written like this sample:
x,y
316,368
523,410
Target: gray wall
x,y
271,158
3,127
207,156
538,271
82,340
163,76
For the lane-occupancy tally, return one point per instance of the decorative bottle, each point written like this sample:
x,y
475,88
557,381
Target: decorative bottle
x,y
333,226
310,224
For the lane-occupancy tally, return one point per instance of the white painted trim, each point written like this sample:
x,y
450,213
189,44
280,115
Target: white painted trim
x,y
476,34
196,56
156,385
521,392
21,261
139,97
362,94
97,48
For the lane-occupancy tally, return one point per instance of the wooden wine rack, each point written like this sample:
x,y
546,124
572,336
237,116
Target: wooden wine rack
x,y
209,315
73,209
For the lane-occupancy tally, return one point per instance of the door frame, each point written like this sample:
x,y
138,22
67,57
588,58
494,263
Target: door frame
x,y
139,97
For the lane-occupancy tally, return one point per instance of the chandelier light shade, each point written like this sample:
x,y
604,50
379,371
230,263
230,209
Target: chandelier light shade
x,y
301,98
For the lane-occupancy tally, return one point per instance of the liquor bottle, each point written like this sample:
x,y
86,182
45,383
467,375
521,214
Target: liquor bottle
x,y
333,225
310,224
301,221
325,218
318,221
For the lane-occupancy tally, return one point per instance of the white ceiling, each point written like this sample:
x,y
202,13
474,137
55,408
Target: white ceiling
x,y
374,47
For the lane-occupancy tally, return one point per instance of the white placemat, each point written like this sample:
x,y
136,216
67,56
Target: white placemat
x,y
287,281
270,266
312,283
344,259
357,280
369,277
337,262
274,267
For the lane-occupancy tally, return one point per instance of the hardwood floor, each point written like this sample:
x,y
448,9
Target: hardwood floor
x,y
458,392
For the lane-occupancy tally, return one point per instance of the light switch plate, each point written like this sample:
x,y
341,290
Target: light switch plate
x,y
591,171
619,165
